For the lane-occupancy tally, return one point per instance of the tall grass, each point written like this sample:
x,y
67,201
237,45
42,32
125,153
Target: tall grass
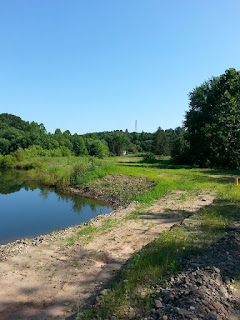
x,y
75,171
63,172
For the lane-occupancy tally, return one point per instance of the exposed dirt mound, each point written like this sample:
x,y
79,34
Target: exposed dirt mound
x,y
116,189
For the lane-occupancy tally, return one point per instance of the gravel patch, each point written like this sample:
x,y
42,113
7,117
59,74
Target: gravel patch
x,y
206,287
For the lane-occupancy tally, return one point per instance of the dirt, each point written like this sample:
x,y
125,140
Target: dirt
x,y
49,280
115,189
208,285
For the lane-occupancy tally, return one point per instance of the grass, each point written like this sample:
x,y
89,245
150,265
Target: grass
x,y
76,171
62,172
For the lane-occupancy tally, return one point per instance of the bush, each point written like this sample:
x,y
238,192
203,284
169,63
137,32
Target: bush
x,y
8,161
149,157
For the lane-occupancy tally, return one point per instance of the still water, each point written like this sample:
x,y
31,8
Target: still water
x,y
28,209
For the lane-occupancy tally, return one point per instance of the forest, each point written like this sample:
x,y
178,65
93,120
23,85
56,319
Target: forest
x,y
16,133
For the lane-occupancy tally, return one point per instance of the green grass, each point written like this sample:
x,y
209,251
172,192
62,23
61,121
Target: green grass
x,y
76,171
63,172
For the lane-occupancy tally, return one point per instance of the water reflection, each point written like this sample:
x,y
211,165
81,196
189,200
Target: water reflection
x,y
28,209
13,181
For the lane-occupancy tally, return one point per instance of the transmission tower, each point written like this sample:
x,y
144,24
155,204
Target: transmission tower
x,y
135,125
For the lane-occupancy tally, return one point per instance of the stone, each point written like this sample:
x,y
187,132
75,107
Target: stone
x,y
158,303
167,297
217,305
216,269
183,312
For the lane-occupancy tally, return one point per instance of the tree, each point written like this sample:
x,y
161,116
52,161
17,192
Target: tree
x,y
161,143
180,147
97,148
4,146
213,121
117,142
79,146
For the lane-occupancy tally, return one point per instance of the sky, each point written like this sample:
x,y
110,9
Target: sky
x,y
99,65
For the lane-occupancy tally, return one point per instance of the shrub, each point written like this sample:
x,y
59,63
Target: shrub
x,y
149,157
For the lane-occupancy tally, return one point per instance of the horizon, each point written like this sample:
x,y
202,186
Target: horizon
x,y
93,67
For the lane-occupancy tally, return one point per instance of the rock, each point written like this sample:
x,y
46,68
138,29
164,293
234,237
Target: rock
x,y
158,303
216,269
183,312
167,297
217,305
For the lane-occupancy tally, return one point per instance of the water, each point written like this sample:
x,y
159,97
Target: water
x,y
28,209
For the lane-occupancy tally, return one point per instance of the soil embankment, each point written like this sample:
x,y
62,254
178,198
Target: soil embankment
x,y
115,189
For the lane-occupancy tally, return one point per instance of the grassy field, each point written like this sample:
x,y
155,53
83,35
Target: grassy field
x,y
65,171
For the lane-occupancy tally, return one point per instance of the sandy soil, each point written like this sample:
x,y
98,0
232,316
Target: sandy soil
x,y
50,280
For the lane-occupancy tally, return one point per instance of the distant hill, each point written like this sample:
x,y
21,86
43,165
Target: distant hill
x,y
16,133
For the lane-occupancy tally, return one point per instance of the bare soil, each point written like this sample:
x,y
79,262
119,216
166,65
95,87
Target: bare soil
x,y
48,279
115,189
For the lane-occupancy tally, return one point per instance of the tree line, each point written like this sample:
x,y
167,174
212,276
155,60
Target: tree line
x,y
16,133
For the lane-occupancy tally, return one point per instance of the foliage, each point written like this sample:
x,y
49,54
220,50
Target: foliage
x,y
97,148
7,162
212,122
149,157
180,150
16,133
161,144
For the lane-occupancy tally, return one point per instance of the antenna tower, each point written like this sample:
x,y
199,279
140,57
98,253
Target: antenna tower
x,y
136,126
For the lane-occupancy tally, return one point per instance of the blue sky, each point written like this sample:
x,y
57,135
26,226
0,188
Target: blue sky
x,y
97,65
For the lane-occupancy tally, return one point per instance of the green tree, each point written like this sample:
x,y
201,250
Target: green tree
x,y
79,146
161,144
97,148
180,147
4,146
213,121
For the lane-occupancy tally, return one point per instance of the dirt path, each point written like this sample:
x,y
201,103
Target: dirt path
x,y
49,280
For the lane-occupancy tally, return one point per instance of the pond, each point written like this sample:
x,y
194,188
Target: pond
x,y
28,209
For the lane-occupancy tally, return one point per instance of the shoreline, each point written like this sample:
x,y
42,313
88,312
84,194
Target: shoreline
x,y
92,194
15,247
18,245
